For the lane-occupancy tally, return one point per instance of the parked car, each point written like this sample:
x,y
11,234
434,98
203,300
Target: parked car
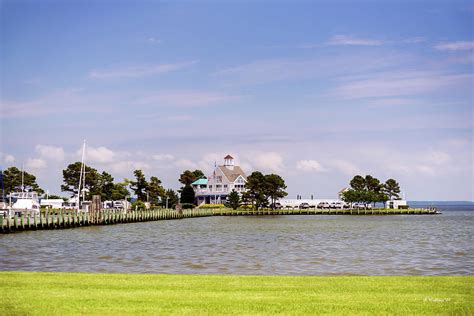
x,y
362,206
276,206
304,206
323,205
338,205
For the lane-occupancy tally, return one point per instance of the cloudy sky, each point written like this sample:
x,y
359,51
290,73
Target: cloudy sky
x,y
316,92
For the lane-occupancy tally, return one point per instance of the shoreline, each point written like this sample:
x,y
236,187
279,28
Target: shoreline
x,y
66,220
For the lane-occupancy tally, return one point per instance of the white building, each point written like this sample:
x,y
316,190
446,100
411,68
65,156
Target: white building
x,y
216,187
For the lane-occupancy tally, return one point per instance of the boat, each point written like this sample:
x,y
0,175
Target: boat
x,y
24,202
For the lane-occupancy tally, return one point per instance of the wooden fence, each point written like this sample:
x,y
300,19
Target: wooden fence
x,y
71,219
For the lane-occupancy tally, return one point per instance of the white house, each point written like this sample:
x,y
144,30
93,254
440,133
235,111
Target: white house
x,y
224,179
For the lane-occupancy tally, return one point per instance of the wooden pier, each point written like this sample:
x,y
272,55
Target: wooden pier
x,y
410,211
71,219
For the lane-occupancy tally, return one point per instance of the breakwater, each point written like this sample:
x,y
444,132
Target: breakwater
x,y
68,219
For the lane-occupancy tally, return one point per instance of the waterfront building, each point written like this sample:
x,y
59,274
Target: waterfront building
x,y
224,179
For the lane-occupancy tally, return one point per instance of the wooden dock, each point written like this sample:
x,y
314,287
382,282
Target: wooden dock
x,y
71,219
410,211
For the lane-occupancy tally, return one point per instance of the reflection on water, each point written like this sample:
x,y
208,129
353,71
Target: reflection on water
x,y
277,245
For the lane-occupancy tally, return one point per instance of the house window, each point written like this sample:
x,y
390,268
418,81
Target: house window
x,y
210,188
225,187
218,187
219,179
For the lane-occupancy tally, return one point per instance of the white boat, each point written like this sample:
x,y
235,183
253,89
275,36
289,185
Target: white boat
x,y
25,202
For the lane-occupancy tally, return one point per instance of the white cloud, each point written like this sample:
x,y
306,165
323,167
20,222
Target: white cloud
x,y
50,152
455,46
310,166
35,163
6,158
98,154
388,84
185,164
186,98
128,166
139,71
154,40
349,40
267,161
345,167
163,157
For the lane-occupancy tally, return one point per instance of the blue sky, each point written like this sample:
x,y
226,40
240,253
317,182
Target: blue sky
x,y
315,91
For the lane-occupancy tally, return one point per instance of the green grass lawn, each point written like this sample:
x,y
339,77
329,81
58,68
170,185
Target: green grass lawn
x,y
38,293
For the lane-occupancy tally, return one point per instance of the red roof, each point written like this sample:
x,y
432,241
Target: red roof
x,y
228,157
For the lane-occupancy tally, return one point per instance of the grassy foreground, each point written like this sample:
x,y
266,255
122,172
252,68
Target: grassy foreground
x,y
38,293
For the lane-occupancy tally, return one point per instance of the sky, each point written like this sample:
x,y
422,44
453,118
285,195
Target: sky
x,y
316,91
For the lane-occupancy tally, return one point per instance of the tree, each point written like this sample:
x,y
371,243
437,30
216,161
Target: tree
x,y
233,200
105,186
256,189
71,177
140,185
119,191
358,183
391,189
170,198
275,186
12,181
155,190
187,195
188,176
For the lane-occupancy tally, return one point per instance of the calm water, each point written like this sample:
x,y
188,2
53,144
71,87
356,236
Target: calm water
x,y
282,245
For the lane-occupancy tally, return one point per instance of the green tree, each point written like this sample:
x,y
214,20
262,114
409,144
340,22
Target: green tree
x,y
71,179
233,200
358,183
138,206
187,195
155,190
172,198
188,176
12,181
119,191
275,186
256,189
139,186
391,189
105,186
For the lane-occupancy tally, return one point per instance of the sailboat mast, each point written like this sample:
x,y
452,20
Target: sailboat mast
x,y
22,178
80,176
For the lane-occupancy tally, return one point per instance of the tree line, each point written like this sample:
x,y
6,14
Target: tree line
x,y
369,189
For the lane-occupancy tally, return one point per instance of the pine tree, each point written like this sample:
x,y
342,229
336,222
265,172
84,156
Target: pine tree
x,y
233,200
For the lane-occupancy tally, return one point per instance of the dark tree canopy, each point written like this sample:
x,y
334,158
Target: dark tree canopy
x,y
71,179
262,188
12,181
275,186
391,189
233,200
119,192
187,195
155,190
370,190
172,197
188,176
358,183
140,185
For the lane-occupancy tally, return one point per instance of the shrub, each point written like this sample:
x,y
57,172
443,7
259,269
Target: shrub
x,y
403,207
206,206
138,206
187,205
